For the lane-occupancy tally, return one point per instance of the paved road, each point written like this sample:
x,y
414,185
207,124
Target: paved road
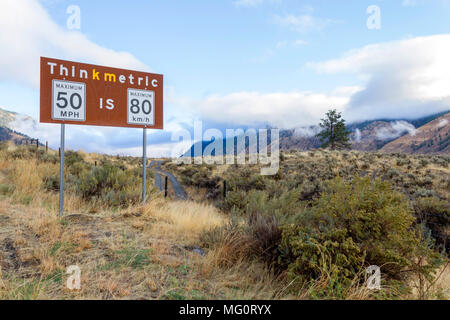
x,y
176,186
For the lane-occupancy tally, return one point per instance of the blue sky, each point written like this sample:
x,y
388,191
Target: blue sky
x,y
205,46
237,63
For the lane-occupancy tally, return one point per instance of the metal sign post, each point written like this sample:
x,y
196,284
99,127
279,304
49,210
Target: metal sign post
x,y
144,165
61,171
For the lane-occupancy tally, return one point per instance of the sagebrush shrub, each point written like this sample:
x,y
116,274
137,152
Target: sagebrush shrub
x,y
265,236
435,215
51,182
352,225
109,183
71,157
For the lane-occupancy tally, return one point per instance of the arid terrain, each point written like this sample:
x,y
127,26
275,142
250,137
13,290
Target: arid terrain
x,y
211,246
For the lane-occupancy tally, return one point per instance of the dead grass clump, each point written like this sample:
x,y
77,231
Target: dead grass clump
x,y
43,224
26,178
183,220
234,247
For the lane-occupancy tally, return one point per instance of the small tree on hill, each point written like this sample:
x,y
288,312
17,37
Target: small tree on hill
x,y
334,133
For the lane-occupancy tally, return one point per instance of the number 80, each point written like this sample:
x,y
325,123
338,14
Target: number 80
x,y
135,108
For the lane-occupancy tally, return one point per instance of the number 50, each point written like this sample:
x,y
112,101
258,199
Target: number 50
x,y
61,97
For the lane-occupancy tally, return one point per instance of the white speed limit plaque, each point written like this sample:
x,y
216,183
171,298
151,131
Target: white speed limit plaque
x,y
140,107
68,100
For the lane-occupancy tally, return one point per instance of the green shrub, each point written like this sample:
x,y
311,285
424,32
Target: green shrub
x,y
282,207
351,226
425,182
109,183
21,153
441,161
423,163
424,193
402,162
265,236
235,200
6,189
392,173
51,183
435,215
49,158
71,157
201,177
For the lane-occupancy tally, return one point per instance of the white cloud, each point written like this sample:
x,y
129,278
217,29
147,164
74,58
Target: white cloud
x,y
407,78
281,109
400,79
303,22
358,135
442,123
162,150
105,140
110,140
307,132
395,130
27,32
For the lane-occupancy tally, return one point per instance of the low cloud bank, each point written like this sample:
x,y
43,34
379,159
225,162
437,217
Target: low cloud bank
x,y
395,130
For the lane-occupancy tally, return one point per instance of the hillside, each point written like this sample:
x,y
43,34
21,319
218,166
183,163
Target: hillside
x,y
7,132
368,138
8,117
365,136
125,250
202,249
432,137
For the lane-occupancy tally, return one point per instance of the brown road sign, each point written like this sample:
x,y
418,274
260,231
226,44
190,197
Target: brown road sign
x,y
78,93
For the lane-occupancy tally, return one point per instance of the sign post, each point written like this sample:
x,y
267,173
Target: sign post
x,y
144,165
61,171
84,94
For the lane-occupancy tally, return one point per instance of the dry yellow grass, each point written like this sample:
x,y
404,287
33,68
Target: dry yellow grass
x,y
142,252
26,177
119,261
183,220
133,253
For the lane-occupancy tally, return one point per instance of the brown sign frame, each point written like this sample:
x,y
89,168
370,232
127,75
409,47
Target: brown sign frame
x,y
103,86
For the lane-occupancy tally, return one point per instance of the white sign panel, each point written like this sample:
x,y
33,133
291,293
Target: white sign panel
x,y
140,107
68,100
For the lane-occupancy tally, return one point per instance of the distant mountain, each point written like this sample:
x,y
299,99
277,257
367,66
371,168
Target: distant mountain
x,y
374,135
299,139
8,120
7,134
433,137
365,136
415,122
368,138
197,149
423,121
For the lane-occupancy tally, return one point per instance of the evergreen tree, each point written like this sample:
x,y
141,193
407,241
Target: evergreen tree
x,y
334,133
